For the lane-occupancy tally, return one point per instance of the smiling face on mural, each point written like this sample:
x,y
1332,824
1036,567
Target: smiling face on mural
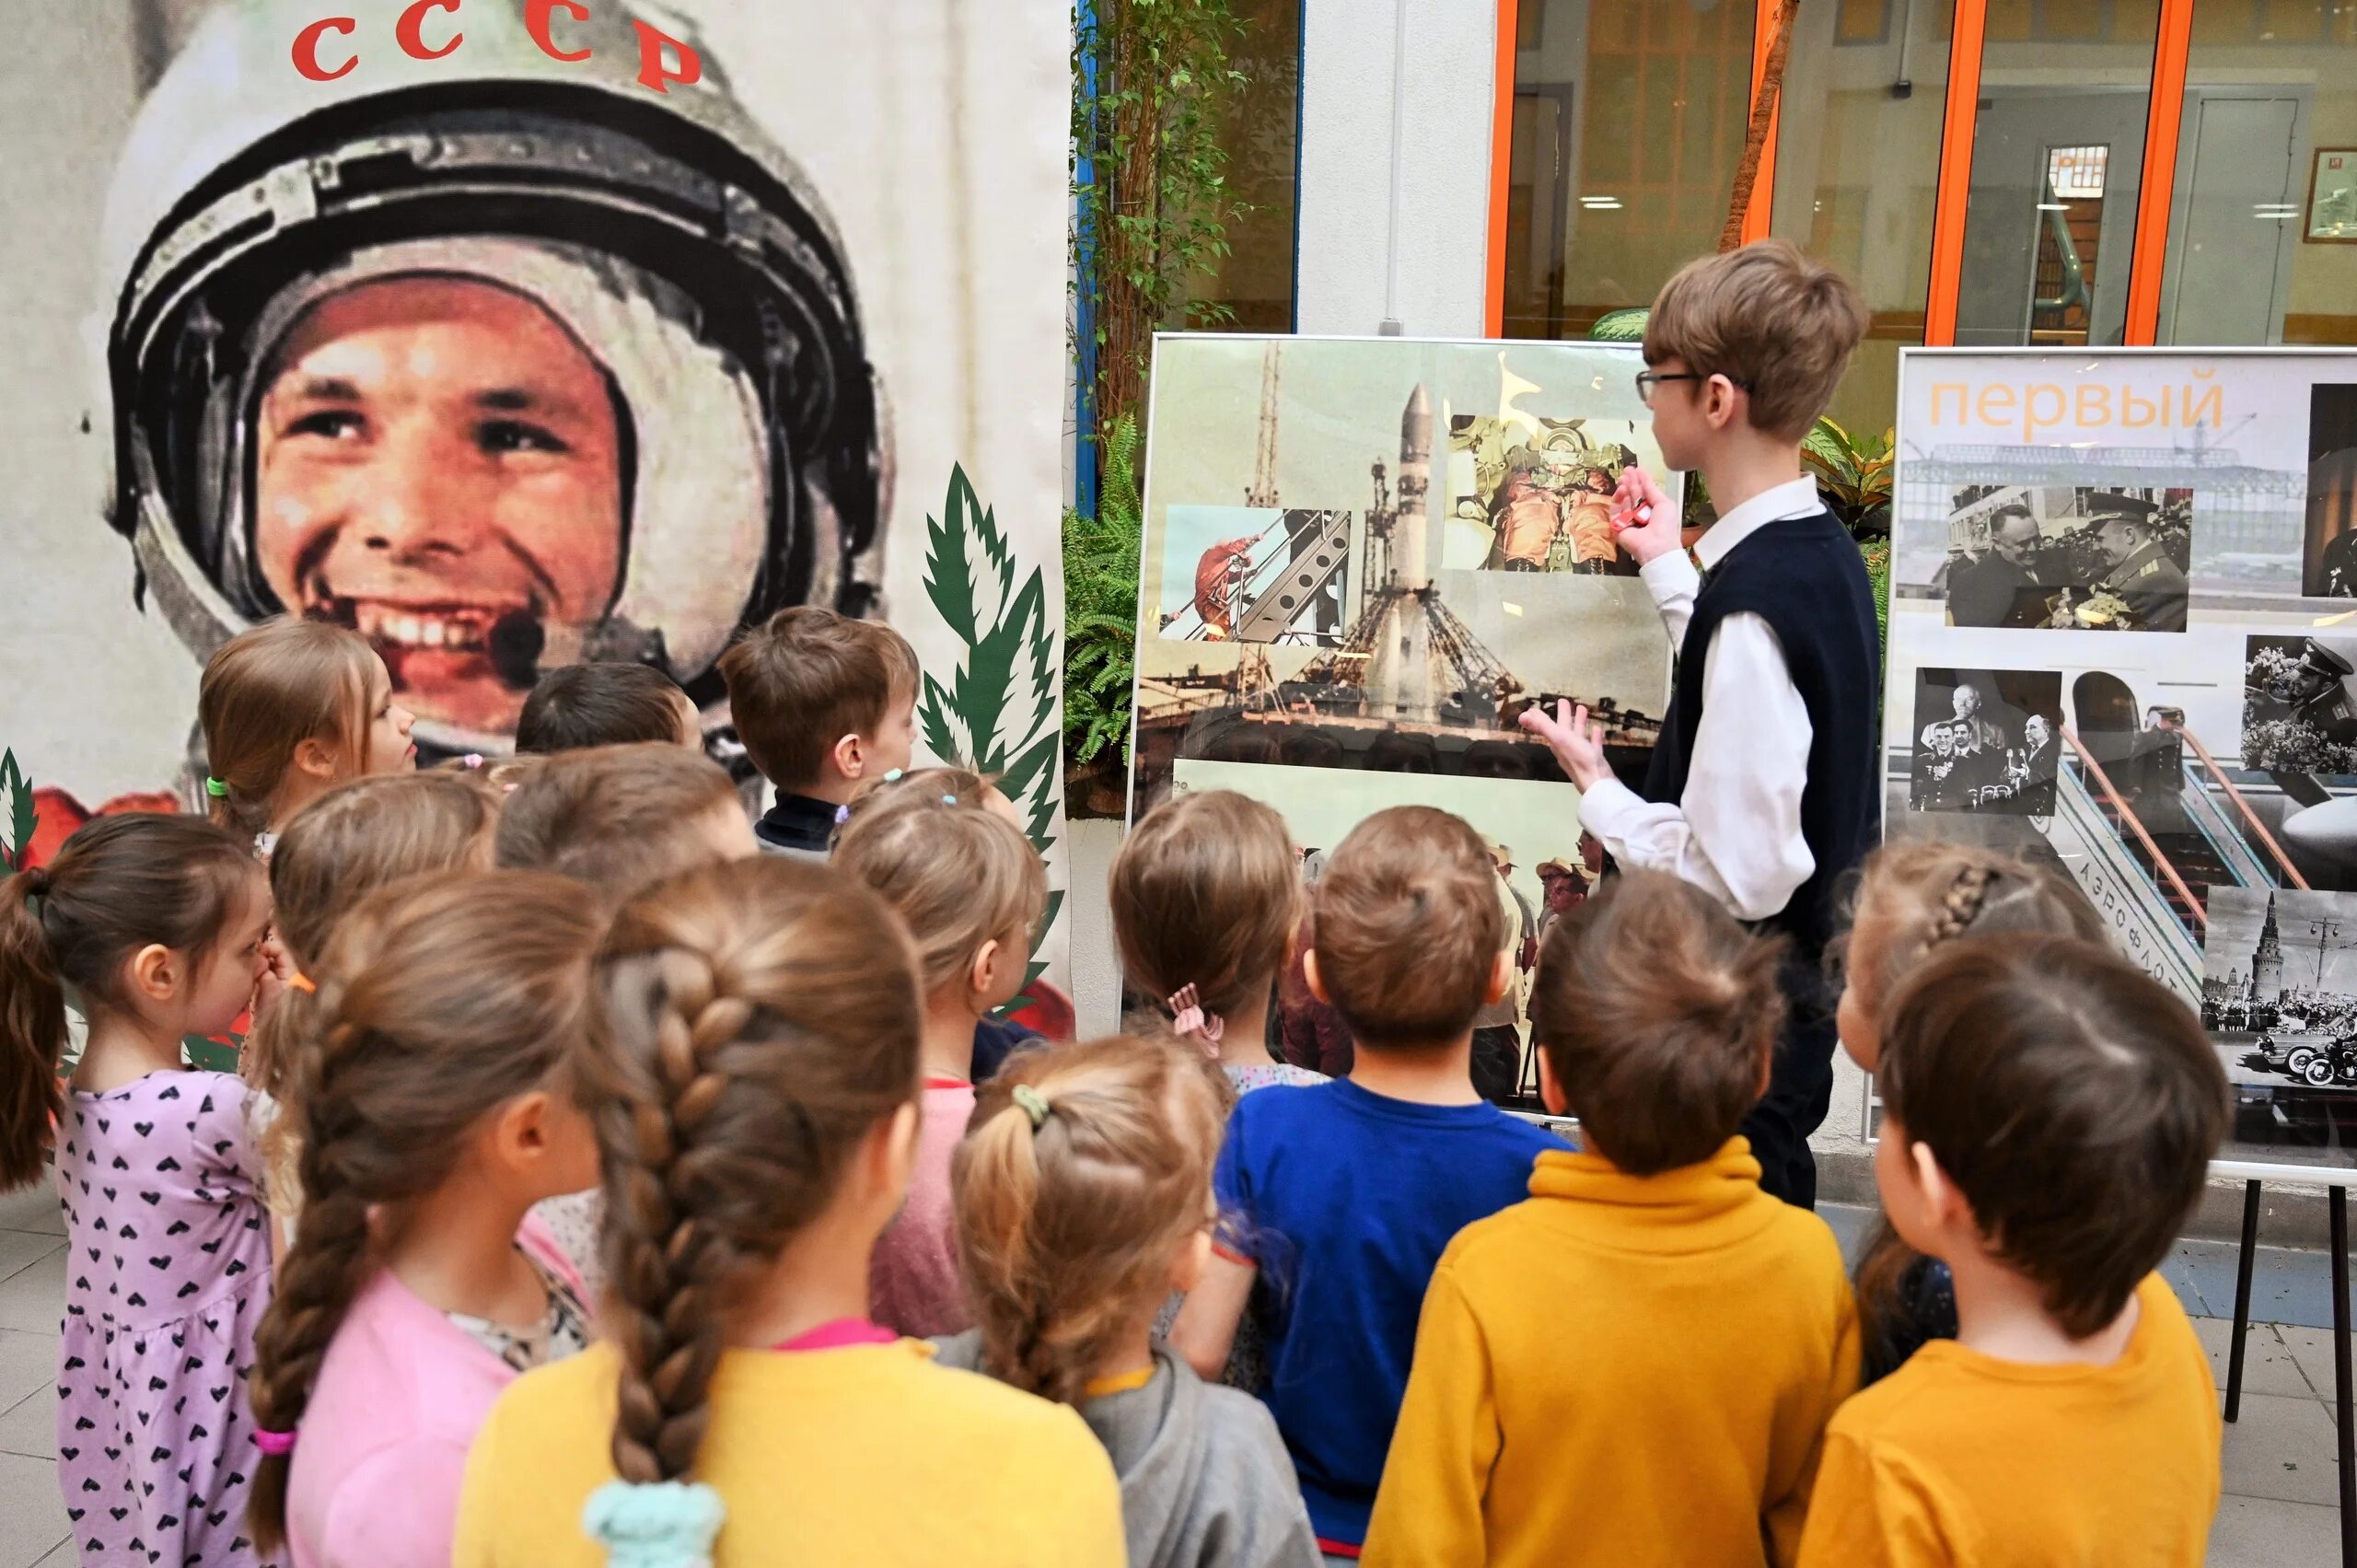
x,y
438,464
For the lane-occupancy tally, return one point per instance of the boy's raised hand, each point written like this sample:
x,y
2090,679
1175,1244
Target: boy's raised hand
x,y
1576,741
1644,523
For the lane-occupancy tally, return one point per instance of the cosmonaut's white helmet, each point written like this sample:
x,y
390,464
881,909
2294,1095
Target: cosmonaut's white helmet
x,y
667,232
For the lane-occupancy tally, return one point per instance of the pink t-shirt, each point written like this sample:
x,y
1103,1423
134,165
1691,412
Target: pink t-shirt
x,y
382,1447
913,1283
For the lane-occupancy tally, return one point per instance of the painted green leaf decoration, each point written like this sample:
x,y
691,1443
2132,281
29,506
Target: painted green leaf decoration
x,y
997,710
22,822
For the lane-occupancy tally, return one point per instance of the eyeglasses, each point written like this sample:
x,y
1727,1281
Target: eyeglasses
x,y
1649,379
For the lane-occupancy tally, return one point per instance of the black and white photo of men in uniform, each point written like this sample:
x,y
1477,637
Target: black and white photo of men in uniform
x,y
2141,573
1987,740
2298,715
2002,588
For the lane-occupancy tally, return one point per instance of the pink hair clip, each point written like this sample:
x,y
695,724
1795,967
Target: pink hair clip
x,y
1189,1020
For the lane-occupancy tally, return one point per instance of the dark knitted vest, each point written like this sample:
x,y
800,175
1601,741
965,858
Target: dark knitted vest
x,y
1803,577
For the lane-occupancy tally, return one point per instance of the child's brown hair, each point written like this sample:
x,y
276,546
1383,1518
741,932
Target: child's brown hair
x,y
1206,891
762,1019
957,873
805,679
438,1000
358,837
118,885
615,818
1770,319
1913,897
1657,1013
1074,1199
600,704
2075,1101
265,692
1410,925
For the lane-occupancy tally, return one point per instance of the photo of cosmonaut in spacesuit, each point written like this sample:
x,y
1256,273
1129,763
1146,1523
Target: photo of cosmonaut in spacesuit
x,y
503,360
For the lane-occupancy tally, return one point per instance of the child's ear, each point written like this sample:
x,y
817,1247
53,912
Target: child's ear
x,y
1501,977
152,972
1310,976
983,972
521,1138
315,757
892,1153
1550,1092
1942,1200
1187,1266
849,756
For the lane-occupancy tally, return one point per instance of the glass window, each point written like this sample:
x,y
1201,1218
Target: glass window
x,y
2058,151
1629,117
1857,170
1260,132
2263,218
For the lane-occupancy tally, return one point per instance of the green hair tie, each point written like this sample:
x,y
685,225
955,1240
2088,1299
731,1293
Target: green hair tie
x,y
215,788
1034,1104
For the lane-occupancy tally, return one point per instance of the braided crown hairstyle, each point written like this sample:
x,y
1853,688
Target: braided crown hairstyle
x,y
1914,898
1068,1218
762,1019
439,999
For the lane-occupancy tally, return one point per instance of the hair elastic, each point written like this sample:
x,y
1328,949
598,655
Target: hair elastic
x,y
277,1445
1034,1104
666,1524
300,981
948,800
894,776
215,788
842,815
1189,1020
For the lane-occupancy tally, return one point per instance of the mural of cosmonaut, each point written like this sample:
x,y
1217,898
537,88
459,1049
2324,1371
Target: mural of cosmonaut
x,y
505,360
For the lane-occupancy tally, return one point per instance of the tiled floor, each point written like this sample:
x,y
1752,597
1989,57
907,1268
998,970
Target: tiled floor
x,y
2279,1512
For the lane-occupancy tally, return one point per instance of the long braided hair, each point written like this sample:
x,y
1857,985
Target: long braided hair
x,y
439,999
1914,898
763,1019
1085,1167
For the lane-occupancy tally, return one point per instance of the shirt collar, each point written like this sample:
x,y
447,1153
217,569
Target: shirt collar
x,y
1710,1203
1793,498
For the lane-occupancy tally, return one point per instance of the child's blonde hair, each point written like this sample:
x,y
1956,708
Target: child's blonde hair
x,y
1085,1169
438,999
265,691
762,1019
1206,891
615,818
360,836
958,874
1768,318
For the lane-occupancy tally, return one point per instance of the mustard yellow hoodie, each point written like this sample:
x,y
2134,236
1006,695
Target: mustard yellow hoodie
x,y
1621,1370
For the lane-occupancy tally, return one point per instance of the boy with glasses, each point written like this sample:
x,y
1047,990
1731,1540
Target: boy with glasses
x,y
1763,789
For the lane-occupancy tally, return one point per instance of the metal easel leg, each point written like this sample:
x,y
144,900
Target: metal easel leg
x,y
2242,1300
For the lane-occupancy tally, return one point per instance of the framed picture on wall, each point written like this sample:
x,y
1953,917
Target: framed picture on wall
x,y
2332,198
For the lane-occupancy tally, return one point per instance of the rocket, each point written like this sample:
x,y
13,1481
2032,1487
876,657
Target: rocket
x,y
1401,679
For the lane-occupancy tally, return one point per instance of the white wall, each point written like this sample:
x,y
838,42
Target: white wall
x,y
1346,144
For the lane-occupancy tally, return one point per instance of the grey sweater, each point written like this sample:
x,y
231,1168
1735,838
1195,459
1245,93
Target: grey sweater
x,y
1205,1480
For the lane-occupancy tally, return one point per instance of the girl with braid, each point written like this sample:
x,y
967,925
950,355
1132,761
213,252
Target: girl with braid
x,y
756,1105
1914,898
157,923
1083,1199
436,1106
970,888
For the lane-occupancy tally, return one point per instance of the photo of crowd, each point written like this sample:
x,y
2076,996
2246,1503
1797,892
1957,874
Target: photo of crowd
x,y
2024,557
1987,740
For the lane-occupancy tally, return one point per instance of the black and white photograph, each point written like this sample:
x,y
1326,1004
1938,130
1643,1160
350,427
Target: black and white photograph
x,y
2332,490
1987,740
2025,557
2279,986
2299,715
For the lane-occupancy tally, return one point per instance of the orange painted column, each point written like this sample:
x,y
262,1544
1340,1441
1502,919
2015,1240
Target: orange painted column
x,y
1761,209
1501,165
1955,171
2155,195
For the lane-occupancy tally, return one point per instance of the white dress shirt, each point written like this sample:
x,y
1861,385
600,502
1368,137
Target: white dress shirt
x,y
1736,831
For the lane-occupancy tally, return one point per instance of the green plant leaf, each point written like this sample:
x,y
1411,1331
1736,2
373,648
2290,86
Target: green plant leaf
x,y
22,821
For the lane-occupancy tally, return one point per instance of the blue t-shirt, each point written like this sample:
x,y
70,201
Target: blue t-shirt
x,y
1345,1200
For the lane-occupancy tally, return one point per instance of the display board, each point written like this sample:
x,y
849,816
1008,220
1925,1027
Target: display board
x,y
2123,637
1364,557
512,334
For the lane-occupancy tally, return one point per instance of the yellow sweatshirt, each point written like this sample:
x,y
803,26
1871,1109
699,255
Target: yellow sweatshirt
x,y
867,1454
1958,1457
1621,1370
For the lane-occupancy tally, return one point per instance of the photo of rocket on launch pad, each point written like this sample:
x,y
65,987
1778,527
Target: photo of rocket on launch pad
x,y
1328,580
